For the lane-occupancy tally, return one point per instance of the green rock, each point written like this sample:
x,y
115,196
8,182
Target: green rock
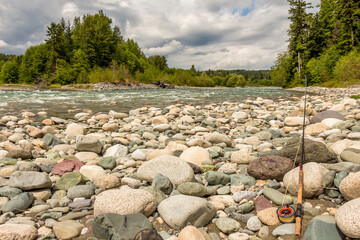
x,y
277,197
19,203
242,179
329,178
9,192
246,207
207,168
270,117
323,227
332,193
263,136
339,177
355,129
274,133
157,193
224,190
213,153
216,178
120,227
344,125
51,140
192,189
205,123
69,180
107,163
8,161
163,183
350,156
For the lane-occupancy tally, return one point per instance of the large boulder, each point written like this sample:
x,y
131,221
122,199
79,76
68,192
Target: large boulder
x,y
347,218
176,169
350,186
18,231
313,180
125,201
328,227
326,114
314,151
179,210
29,180
270,167
116,226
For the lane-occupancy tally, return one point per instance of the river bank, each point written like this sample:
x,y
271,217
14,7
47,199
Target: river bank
x,y
227,163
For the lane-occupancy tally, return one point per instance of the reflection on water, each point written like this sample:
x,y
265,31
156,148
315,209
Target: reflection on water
x,y
57,103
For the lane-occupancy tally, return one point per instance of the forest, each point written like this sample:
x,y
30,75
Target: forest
x,y
323,46
90,50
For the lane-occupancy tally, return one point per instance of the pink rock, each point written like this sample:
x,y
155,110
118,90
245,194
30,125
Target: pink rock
x,y
262,203
66,167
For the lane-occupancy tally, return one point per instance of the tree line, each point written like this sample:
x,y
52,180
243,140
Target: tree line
x,y
324,46
90,50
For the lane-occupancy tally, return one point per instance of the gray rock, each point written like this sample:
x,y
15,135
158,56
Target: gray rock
x,y
157,193
192,189
350,156
19,203
29,166
343,166
315,151
107,163
329,178
277,197
339,177
326,114
19,153
120,227
163,183
179,210
9,192
116,151
79,191
8,161
238,179
51,140
285,229
58,120
216,178
29,180
248,195
232,212
223,190
86,203
227,225
246,207
254,224
88,144
327,225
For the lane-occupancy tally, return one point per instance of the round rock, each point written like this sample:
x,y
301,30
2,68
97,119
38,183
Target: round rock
x,y
347,218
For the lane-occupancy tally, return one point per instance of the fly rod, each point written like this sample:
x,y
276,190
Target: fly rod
x,y
298,213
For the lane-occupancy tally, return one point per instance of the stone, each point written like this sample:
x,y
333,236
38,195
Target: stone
x,y
163,183
191,233
246,207
116,151
313,180
240,236
86,156
73,130
342,166
138,155
331,122
110,127
241,195
241,157
51,140
286,229
350,186
92,171
80,204
316,129
328,227
347,218
159,120
268,216
277,197
329,178
159,152
176,169
8,161
35,132
254,224
350,156
179,210
131,182
227,225
238,179
315,151
107,163
90,144
264,232
161,127
326,114
216,137
19,203
295,121
18,231
270,167
339,177
106,181
66,166
157,193
216,178
29,180
192,189
116,226
69,180
67,229
80,191
148,235
125,201
239,115
19,153
196,155
9,192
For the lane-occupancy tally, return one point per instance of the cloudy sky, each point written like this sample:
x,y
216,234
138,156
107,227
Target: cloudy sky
x,y
211,34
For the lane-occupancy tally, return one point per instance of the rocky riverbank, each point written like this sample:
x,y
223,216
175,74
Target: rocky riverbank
x,y
182,172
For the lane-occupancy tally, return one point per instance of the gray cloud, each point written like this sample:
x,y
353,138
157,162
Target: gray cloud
x,y
207,33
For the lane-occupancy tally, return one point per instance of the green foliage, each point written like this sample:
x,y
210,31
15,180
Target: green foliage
x,y
355,96
347,68
10,72
280,70
234,80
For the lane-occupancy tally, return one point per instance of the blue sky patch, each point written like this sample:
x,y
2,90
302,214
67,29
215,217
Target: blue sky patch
x,y
245,11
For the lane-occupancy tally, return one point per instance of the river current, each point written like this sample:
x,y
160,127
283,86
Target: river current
x,y
58,103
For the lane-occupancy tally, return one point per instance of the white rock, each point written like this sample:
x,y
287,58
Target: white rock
x,y
347,218
116,151
295,121
91,171
330,122
196,155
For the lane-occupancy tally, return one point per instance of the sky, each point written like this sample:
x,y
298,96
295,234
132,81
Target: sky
x,y
210,34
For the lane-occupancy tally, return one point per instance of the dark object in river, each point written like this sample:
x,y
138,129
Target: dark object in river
x,y
163,84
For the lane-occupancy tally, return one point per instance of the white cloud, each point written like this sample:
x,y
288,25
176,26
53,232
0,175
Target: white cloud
x,y
70,10
168,48
3,44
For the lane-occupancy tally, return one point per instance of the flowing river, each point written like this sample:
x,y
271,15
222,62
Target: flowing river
x,y
58,103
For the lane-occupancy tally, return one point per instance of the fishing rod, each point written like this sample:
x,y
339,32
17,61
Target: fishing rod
x,y
298,213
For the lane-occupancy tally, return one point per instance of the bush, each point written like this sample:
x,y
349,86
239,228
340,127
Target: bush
x,y
347,69
10,73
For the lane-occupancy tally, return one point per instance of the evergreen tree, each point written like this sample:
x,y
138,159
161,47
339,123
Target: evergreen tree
x,y
10,72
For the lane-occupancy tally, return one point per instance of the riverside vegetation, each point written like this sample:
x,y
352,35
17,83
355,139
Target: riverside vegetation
x,y
183,172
